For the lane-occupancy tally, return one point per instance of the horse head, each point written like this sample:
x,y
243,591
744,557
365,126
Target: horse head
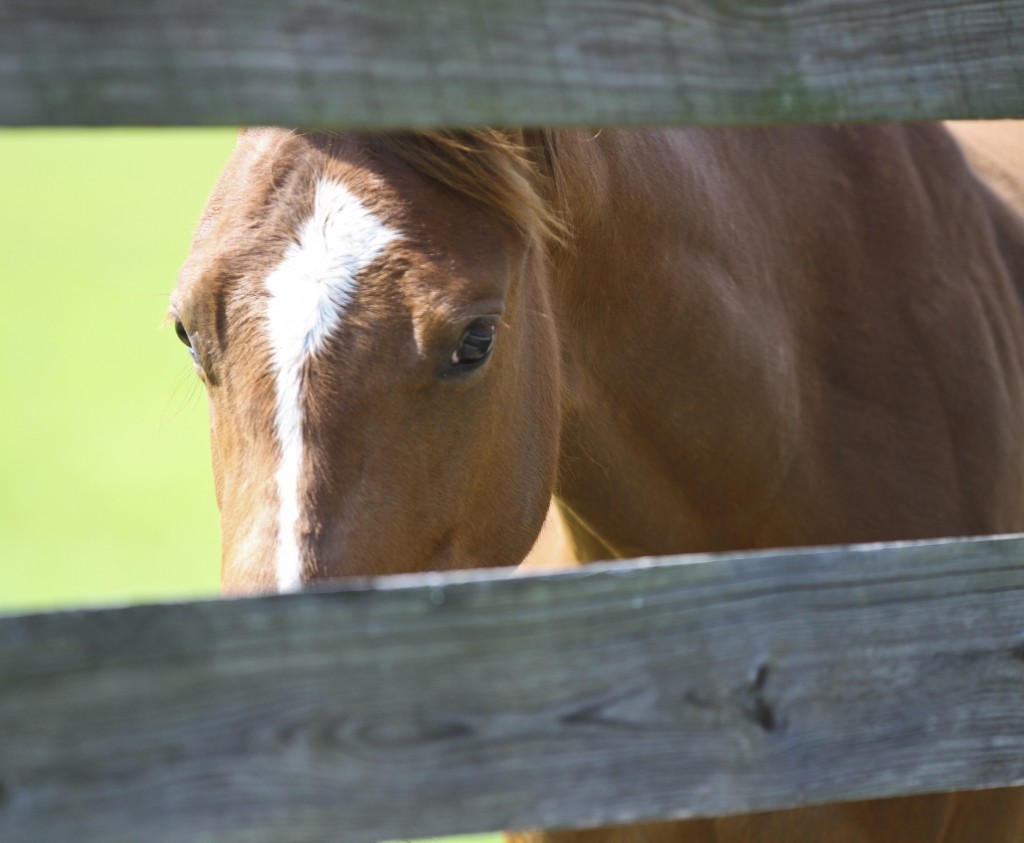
x,y
369,317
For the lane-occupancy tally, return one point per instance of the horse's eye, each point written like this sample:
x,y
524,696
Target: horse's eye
x,y
179,329
475,345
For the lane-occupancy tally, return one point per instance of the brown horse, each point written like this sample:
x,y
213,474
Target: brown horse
x,y
693,339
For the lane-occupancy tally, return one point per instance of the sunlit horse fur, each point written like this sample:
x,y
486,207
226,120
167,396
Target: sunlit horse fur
x,y
694,339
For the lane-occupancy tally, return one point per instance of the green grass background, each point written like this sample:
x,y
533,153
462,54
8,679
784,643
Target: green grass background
x,y
106,494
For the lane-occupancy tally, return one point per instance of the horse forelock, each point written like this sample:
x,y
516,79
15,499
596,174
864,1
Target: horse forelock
x,y
515,179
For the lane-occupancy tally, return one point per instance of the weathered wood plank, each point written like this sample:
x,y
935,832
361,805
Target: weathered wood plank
x,y
373,63
701,686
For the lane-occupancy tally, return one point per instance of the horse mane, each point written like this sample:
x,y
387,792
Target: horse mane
x,y
513,174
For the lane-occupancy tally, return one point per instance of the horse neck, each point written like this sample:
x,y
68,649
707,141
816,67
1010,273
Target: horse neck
x,y
678,399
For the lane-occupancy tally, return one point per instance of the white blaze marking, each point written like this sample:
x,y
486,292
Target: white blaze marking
x,y
309,291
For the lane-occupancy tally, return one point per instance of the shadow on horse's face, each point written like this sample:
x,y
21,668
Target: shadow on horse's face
x,y
380,362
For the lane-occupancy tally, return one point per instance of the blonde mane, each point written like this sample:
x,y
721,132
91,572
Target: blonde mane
x,y
515,178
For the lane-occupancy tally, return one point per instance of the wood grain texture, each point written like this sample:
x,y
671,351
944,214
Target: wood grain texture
x,y
427,706
387,63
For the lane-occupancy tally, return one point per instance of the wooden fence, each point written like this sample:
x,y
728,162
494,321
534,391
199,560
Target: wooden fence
x,y
507,62
446,704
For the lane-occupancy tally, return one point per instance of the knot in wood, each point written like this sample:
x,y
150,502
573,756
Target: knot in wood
x,y
758,709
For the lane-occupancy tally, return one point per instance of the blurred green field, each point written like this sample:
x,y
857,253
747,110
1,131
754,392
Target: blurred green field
x,y
106,494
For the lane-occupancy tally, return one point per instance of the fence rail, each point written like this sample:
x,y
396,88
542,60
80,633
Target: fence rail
x,y
373,63
447,704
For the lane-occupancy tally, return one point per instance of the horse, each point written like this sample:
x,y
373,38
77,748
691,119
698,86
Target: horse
x,y
421,347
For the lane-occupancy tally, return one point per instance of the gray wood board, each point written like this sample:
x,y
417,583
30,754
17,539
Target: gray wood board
x,y
439,705
388,63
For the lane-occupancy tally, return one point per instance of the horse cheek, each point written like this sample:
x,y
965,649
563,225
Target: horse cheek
x,y
528,439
